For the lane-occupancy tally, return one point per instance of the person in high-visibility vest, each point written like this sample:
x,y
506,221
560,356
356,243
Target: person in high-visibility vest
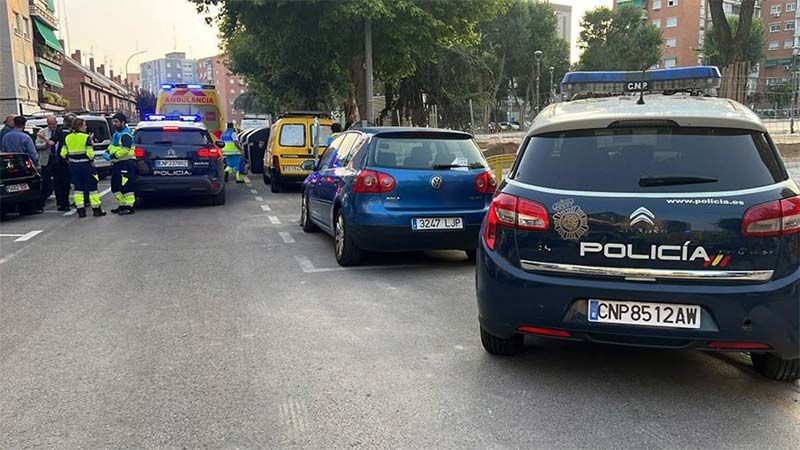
x,y
123,170
233,153
80,156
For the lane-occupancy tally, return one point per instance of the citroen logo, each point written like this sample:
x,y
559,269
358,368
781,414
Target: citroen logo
x,y
171,153
642,215
436,182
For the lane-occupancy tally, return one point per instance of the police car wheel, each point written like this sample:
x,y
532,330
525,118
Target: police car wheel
x,y
218,199
500,346
775,368
471,255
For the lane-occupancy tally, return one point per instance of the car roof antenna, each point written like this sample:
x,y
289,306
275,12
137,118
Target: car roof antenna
x,y
641,92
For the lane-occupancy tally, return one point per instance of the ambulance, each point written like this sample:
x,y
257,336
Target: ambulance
x,y
193,99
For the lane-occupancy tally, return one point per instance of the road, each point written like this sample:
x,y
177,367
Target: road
x,y
196,326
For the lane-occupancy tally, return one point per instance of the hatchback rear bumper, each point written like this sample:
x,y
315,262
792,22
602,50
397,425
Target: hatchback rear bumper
x,y
178,186
403,239
510,298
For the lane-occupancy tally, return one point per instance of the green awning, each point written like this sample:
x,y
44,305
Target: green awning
x,y
51,76
787,61
48,35
51,5
772,63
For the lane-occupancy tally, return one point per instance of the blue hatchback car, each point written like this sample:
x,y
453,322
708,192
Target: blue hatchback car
x,y
669,224
398,189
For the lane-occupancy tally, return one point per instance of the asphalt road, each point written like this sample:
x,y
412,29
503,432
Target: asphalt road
x,y
198,326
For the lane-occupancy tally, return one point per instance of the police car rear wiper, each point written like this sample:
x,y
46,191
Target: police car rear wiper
x,y
457,166
673,181
162,143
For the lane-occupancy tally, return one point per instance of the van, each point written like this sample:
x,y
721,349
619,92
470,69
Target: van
x,y
193,99
291,141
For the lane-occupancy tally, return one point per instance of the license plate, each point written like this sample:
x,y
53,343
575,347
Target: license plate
x,y
17,187
667,315
172,163
437,223
291,169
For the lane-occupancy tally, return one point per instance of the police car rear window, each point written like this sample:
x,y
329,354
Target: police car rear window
x,y
168,137
658,159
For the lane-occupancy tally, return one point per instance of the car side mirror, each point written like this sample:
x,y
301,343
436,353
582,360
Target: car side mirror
x,y
308,165
220,144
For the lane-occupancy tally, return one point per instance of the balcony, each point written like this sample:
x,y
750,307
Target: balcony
x,y
39,10
44,52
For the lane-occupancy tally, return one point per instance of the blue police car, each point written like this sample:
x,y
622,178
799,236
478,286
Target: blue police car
x,y
661,220
398,189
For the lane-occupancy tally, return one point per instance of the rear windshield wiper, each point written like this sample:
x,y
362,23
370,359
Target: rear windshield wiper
x,y
162,143
457,166
673,181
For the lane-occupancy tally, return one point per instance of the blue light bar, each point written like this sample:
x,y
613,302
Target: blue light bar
x,y
700,78
173,117
194,86
167,86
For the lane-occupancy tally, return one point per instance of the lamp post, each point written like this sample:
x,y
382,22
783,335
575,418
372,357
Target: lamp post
x,y
129,60
552,86
538,56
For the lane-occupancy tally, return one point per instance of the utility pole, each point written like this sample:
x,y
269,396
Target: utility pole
x,y
471,118
538,56
552,86
368,67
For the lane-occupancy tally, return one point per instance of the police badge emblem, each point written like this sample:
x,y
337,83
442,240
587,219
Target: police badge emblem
x,y
569,219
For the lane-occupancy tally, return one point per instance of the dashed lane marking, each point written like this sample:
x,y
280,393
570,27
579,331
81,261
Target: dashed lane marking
x,y
253,191
287,238
259,198
308,267
28,236
274,219
266,208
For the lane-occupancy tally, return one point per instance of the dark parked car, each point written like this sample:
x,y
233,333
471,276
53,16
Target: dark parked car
x,y
20,184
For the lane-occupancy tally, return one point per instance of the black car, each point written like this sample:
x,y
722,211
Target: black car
x,y
20,184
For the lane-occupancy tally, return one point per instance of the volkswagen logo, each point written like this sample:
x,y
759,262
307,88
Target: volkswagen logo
x,y
642,215
436,182
171,153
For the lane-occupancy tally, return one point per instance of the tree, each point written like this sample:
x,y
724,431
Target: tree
x,y
145,102
732,47
250,102
618,40
754,49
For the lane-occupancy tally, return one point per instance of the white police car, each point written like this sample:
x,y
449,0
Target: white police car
x,y
661,220
177,156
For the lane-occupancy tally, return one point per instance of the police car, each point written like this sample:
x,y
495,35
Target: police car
x,y
177,156
664,219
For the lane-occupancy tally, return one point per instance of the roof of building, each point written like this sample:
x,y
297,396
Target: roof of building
x,y
684,109
98,78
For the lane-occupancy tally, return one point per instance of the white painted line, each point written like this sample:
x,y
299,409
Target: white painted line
x,y
274,219
266,208
259,198
308,267
28,236
253,191
287,238
70,212
11,235
305,264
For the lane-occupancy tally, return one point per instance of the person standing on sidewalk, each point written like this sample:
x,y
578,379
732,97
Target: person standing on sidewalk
x,y
8,125
80,155
124,170
45,146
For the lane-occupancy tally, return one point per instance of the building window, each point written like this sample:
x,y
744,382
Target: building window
x,y
670,62
774,27
671,3
789,43
233,91
241,91
169,75
657,23
26,27
790,25
671,43
656,5
33,81
230,81
790,7
672,22
774,45
17,23
169,65
771,63
775,10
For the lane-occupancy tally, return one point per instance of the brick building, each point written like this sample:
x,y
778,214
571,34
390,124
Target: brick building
x,y
212,70
92,89
780,62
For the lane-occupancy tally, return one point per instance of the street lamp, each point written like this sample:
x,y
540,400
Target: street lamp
x,y
129,60
538,56
552,86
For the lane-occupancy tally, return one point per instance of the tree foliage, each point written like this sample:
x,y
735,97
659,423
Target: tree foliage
x,y
145,102
754,48
618,40
732,42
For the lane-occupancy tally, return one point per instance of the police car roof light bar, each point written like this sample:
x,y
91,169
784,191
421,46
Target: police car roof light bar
x,y
698,78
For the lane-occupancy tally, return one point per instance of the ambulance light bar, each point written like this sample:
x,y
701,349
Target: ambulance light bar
x,y
698,78
173,117
171,86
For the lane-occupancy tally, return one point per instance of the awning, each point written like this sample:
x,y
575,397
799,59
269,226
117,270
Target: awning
x,y
51,5
48,35
51,76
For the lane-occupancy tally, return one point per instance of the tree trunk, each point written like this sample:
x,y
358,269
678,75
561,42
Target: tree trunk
x,y
357,77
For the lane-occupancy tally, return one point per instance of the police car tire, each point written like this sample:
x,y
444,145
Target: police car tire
x,y
774,367
218,199
471,255
500,346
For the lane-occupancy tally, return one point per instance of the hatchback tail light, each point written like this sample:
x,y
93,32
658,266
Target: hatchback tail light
x,y
374,182
29,163
486,183
777,218
138,152
514,212
276,163
212,153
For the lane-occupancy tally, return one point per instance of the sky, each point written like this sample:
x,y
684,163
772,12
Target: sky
x,y
112,30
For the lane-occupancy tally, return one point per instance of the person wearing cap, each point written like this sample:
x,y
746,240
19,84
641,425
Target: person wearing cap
x,y
123,170
233,153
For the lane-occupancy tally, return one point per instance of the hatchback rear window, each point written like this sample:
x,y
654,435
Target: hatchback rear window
x,y
422,153
165,137
667,159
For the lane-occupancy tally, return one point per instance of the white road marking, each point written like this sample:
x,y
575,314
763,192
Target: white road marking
x,y
274,219
266,208
27,236
11,235
253,191
259,198
70,212
287,238
308,267
305,264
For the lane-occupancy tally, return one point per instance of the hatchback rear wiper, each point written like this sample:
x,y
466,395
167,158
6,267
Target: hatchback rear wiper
x,y
162,143
457,166
673,181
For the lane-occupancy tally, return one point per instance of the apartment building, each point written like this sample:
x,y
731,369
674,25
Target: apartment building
x,y
18,84
93,88
213,70
172,68
563,21
781,41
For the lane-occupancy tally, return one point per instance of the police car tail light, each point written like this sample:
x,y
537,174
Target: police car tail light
x,y
170,128
541,331
374,182
532,216
502,211
778,218
138,152
485,183
737,345
212,153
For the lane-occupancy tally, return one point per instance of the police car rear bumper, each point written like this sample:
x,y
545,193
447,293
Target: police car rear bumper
x,y
178,186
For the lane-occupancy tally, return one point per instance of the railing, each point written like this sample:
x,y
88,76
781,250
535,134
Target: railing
x,y
41,50
41,11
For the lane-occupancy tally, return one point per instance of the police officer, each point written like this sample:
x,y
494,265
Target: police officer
x,y
61,167
80,157
123,171
233,153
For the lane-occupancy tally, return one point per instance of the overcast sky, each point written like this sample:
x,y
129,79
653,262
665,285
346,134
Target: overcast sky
x,y
113,30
